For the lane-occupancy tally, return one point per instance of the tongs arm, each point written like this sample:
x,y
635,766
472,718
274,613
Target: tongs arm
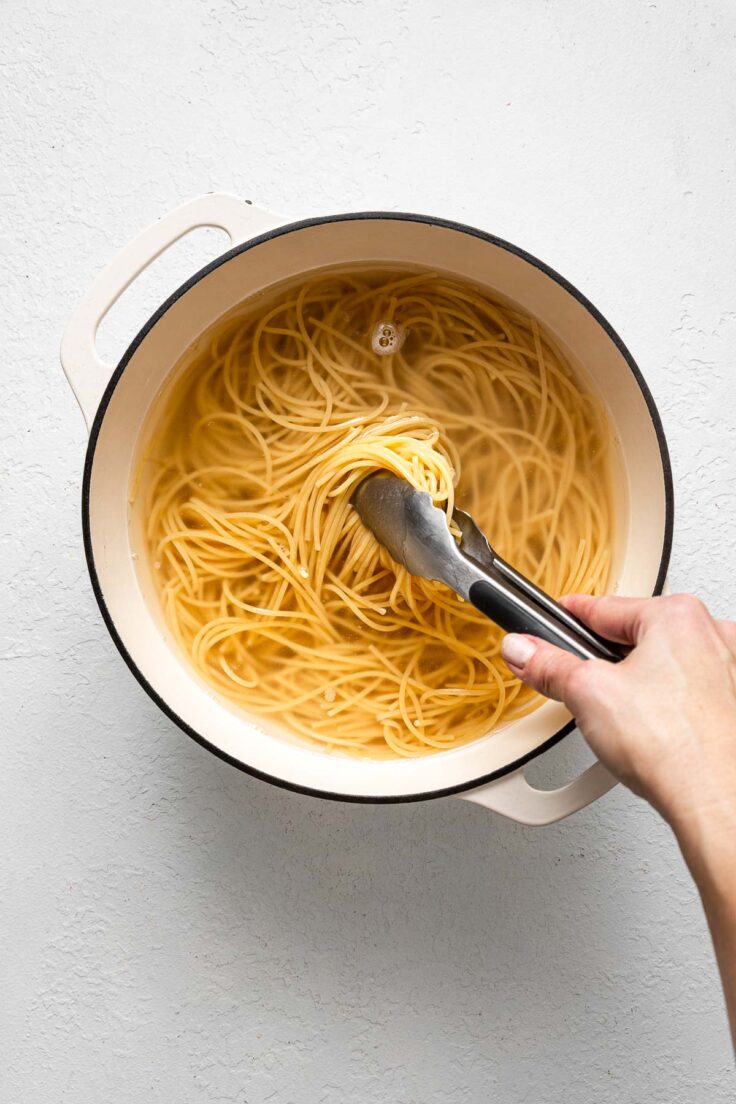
x,y
517,605
416,534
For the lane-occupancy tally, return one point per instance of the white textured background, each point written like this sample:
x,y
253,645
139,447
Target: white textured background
x,y
171,930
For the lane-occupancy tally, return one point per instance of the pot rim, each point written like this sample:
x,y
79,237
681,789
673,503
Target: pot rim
x,y
222,259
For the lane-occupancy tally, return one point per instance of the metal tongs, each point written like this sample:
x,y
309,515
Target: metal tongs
x,y
416,534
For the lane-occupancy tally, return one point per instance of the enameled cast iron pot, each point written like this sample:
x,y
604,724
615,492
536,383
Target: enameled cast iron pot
x,y
115,404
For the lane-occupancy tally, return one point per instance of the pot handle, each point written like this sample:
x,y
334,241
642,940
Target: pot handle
x,y
85,370
513,797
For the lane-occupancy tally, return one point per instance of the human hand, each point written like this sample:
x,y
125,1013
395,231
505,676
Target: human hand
x,y
664,719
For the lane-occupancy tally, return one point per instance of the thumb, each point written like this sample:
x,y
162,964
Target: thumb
x,y
540,665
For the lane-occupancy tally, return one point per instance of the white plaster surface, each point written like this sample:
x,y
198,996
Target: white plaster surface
x,y
172,930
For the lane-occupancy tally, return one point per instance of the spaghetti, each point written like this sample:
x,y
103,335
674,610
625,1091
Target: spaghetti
x,y
273,588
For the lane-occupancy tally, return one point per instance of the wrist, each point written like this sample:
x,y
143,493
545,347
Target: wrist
x,y
706,833
695,792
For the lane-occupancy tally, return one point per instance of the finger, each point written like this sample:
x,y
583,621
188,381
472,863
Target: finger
x,y
620,619
540,665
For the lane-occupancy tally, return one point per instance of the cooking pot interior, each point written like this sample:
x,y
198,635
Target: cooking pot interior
x,y
124,578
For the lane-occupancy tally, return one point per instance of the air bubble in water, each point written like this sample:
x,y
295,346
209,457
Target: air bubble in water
x,y
387,338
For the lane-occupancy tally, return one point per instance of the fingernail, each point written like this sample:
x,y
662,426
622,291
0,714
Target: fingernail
x,y
517,650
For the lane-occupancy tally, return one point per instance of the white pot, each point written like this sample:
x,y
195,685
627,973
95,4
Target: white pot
x,y
115,405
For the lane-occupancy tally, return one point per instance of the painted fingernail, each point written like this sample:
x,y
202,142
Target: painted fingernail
x,y
517,650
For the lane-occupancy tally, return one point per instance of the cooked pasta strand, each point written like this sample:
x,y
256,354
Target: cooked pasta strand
x,y
279,596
